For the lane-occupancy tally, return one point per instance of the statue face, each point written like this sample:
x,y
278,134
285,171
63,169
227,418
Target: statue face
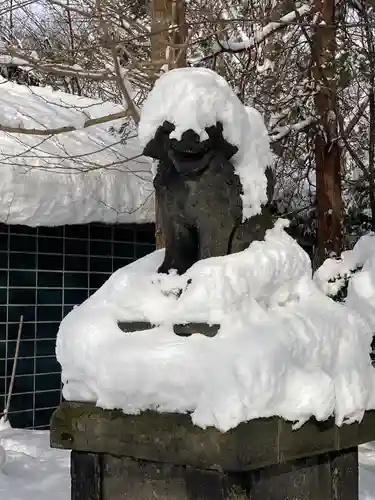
x,y
189,155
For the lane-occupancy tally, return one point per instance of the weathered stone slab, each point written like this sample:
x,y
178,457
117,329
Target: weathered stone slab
x,y
128,479
366,428
183,330
347,436
313,438
190,328
307,479
134,326
172,438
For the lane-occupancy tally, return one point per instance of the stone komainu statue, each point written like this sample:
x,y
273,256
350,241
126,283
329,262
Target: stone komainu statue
x,y
199,198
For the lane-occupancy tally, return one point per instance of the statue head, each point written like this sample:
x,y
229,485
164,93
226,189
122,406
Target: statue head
x,y
189,154
192,119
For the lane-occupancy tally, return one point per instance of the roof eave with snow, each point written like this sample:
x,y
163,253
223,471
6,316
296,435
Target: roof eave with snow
x,y
77,177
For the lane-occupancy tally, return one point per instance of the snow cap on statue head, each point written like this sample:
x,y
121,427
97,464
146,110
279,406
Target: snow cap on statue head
x,y
196,98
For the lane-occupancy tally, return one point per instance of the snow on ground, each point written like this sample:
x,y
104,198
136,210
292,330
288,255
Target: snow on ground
x,y
283,349
366,458
196,98
33,471
74,177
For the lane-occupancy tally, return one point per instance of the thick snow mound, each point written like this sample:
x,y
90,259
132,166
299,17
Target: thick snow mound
x,y
361,287
333,274
196,98
74,177
283,348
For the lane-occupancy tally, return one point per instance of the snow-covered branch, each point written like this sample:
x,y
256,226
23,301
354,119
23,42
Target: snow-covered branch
x,y
60,130
73,8
281,132
260,35
11,55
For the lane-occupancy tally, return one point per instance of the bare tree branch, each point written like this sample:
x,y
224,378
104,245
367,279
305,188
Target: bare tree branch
x,y
22,59
132,108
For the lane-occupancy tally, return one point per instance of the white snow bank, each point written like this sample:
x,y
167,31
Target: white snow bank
x,y
196,98
334,273
284,348
4,424
32,470
75,177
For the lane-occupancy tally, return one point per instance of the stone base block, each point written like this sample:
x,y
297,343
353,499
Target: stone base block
x,y
332,476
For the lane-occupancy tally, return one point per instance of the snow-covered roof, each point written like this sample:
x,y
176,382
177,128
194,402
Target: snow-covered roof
x,y
74,177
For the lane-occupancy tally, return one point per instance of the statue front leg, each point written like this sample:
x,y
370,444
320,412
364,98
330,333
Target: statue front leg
x,y
181,244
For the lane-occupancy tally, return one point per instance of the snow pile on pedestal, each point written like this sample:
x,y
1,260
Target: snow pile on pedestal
x,y
355,269
333,274
196,98
74,177
283,348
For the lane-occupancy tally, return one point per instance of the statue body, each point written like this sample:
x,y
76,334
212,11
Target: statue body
x,y
199,198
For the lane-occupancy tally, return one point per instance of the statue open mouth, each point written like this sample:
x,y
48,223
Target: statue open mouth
x,y
192,151
188,161
186,154
189,154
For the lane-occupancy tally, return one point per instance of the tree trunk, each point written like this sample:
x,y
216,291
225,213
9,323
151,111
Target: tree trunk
x,y
371,155
327,147
167,49
168,35
371,148
161,20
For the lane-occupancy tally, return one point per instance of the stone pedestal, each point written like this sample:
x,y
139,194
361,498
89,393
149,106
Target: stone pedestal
x,y
164,456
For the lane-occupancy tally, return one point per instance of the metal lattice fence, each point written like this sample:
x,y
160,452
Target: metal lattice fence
x,y
44,272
